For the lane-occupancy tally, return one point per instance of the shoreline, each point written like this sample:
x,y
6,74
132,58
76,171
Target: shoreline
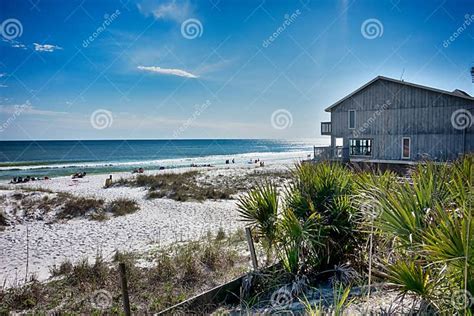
x,y
110,167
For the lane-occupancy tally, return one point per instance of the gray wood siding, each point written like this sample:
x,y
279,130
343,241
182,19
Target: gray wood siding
x,y
388,111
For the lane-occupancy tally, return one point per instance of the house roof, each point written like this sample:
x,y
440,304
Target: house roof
x,y
455,93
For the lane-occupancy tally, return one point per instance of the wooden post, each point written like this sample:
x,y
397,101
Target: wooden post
x,y
248,232
123,280
27,252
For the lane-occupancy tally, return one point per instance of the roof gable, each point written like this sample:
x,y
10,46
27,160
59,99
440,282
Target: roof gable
x,y
455,93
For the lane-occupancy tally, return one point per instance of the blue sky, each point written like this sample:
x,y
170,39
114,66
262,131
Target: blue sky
x,y
131,69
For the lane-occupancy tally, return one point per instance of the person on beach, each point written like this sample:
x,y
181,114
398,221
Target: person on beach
x,y
108,181
79,175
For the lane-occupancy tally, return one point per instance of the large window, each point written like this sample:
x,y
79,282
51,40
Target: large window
x,y
352,119
360,147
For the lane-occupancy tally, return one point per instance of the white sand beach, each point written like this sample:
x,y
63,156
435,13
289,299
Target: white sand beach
x,y
158,222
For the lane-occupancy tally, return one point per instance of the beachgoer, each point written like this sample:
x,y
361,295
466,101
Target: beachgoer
x,y
108,181
233,161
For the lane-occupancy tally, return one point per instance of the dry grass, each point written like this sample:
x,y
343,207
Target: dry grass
x,y
122,206
80,206
180,271
33,205
3,219
179,187
191,185
64,268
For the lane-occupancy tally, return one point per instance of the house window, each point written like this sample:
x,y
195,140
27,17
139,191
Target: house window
x,y
325,128
360,147
406,147
352,119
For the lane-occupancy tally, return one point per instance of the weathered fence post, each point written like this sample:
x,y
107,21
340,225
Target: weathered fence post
x,y
123,280
27,252
248,233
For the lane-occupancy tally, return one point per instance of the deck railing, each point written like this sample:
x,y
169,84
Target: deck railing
x,y
331,153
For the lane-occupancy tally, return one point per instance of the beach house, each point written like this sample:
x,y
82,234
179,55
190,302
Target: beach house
x,y
394,121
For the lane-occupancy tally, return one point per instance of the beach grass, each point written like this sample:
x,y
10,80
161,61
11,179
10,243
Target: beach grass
x,y
122,206
174,274
194,186
179,187
63,206
417,231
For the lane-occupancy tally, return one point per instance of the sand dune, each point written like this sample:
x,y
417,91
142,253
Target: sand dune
x,y
158,222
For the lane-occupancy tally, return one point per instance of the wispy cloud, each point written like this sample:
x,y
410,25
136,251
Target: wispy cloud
x,y
46,47
167,71
27,108
3,85
170,10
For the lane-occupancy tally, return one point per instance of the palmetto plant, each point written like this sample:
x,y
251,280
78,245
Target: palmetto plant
x,y
296,239
429,221
259,208
315,226
321,195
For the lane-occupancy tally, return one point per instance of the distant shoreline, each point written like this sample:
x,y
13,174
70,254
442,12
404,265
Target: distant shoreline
x,y
53,159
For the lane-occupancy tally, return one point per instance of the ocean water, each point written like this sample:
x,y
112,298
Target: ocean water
x,y
59,158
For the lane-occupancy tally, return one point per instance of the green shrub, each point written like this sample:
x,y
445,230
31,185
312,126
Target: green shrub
x,y
259,208
429,222
316,227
